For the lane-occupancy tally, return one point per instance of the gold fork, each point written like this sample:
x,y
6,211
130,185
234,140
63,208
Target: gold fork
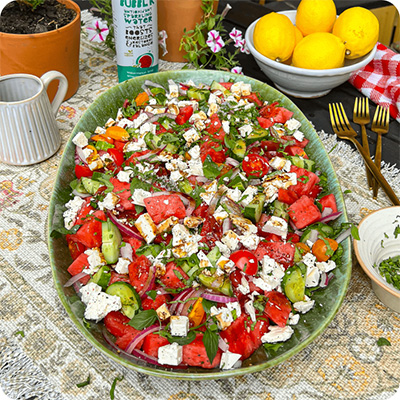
x,y
380,125
361,117
343,130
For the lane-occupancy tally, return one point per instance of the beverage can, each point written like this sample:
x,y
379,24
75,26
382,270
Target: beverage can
x,y
136,37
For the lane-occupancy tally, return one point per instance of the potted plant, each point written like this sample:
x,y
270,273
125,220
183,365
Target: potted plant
x,y
37,36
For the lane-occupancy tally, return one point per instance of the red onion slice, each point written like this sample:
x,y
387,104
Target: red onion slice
x,y
214,201
156,117
140,336
330,217
194,296
123,228
219,298
79,155
127,251
148,82
327,211
178,297
75,278
226,225
222,344
149,282
81,195
201,179
313,236
181,304
232,161
344,235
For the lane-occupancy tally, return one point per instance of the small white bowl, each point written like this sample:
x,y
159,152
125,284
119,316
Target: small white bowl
x,y
301,82
374,247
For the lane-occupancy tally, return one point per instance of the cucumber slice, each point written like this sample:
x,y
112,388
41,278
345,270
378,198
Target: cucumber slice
x,y
258,134
77,185
103,145
128,311
152,141
226,288
91,186
254,210
239,149
281,210
294,284
217,86
198,94
214,255
185,186
301,162
128,295
111,240
102,277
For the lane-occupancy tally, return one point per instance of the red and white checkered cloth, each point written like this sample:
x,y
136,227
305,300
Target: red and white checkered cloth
x,y
380,80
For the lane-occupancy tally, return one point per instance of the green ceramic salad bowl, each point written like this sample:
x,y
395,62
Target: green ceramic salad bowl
x,y
306,331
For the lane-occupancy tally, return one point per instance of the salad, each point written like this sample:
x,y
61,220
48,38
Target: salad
x,y
198,226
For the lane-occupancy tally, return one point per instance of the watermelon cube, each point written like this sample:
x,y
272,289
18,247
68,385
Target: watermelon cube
x,y
304,212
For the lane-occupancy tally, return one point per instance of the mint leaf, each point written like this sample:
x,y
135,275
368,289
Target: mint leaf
x,y
210,169
189,338
210,340
354,232
143,320
152,294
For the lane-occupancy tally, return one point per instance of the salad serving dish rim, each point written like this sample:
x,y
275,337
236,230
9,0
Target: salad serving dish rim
x,y
58,248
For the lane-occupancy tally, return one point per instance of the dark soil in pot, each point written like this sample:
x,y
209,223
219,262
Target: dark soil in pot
x,y
18,18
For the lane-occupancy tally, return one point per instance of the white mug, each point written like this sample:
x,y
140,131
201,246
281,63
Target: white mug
x,y
28,128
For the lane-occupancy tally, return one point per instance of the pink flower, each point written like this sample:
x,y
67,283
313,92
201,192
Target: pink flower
x,y
243,46
237,70
236,35
98,31
215,42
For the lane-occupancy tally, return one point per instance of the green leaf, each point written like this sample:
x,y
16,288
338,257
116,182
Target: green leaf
x,y
191,336
354,232
396,231
271,348
207,304
383,342
152,294
210,169
143,320
112,390
210,340
195,194
84,383
137,183
20,333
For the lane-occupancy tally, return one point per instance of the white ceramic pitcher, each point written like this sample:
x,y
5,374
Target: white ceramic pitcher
x,y
28,128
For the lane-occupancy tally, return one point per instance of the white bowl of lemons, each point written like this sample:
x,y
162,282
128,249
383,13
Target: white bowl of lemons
x,y
309,81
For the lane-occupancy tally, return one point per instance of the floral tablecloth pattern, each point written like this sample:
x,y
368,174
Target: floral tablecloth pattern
x,y
43,356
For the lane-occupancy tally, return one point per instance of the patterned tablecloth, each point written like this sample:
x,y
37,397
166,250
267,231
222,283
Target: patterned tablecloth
x,y
43,355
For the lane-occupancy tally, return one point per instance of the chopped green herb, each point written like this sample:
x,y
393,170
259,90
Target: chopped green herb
x,y
396,231
20,333
84,383
390,270
112,390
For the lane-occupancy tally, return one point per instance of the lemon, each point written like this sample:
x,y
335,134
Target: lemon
x,y
297,37
274,36
320,50
315,16
359,30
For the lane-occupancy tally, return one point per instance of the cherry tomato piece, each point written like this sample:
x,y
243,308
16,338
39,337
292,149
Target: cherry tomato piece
x,y
255,166
324,248
246,261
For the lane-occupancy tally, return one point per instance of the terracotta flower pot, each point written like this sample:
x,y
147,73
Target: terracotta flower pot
x,y
173,17
38,53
